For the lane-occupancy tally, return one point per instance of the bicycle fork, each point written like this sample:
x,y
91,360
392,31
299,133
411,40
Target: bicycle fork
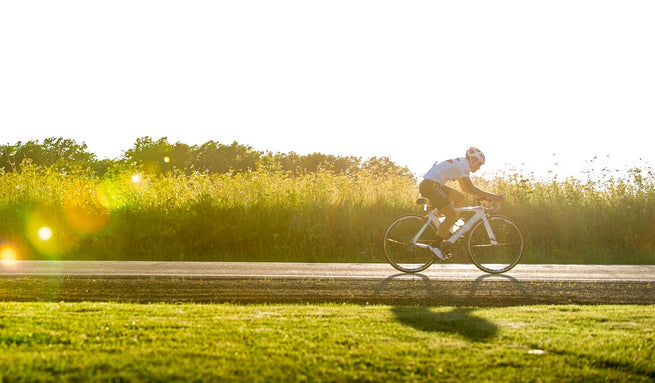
x,y
490,232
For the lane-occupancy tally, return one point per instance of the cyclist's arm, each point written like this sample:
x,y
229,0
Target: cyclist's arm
x,y
468,187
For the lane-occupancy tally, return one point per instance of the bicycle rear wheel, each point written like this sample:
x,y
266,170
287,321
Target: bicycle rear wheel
x,y
502,256
401,252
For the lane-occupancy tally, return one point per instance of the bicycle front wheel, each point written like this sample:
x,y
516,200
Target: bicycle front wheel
x,y
401,251
498,257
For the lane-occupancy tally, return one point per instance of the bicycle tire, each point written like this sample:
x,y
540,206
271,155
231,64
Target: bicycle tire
x,y
501,257
401,253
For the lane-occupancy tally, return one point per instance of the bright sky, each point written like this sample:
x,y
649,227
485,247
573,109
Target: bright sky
x,y
416,81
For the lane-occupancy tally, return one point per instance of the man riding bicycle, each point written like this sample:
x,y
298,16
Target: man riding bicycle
x,y
445,199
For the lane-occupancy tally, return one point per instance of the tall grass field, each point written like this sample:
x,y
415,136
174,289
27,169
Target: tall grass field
x,y
269,215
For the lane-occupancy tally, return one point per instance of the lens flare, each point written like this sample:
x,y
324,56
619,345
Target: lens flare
x,y
49,233
86,208
45,233
136,178
8,255
167,159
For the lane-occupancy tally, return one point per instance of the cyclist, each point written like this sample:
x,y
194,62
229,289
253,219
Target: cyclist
x,y
445,199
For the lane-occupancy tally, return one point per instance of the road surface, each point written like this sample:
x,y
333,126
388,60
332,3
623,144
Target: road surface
x,y
245,282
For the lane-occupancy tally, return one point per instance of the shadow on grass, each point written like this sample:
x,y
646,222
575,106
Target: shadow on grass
x,y
459,320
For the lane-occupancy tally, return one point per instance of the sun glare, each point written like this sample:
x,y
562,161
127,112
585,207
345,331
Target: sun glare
x,y
45,233
8,255
136,178
167,159
85,210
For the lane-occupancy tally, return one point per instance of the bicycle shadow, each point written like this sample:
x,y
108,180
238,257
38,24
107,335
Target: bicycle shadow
x,y
485,290
458,320
514,292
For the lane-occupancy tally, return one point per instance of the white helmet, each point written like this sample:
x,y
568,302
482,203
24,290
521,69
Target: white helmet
x,y
475,154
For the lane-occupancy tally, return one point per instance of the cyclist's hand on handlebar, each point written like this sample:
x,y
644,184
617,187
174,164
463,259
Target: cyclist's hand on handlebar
x,y
493,198
492,201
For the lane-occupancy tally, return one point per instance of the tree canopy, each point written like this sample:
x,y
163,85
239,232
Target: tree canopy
x,y
159,156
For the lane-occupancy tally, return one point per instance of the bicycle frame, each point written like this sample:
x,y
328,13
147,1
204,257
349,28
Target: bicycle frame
x,y
480,214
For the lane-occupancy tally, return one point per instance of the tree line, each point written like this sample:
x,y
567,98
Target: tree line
x,y
159,156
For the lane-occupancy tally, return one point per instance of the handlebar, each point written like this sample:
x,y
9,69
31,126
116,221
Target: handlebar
x,y
488,204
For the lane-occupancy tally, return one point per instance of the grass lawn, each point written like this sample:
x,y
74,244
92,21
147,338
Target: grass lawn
x,y
219,342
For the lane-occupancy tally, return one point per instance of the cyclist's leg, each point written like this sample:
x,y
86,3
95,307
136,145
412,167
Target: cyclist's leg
x,y
435,192
451,217
455,199
442,198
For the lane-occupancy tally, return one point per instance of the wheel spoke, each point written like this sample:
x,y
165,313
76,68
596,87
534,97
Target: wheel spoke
x,y
500,257
399,248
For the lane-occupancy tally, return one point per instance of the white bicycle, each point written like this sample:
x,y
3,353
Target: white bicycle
x,y
494,242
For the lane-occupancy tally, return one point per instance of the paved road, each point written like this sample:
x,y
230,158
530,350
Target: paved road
x,y
560,273
305,282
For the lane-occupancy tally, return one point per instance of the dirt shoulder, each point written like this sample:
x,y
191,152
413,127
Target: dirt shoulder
x,y
391,291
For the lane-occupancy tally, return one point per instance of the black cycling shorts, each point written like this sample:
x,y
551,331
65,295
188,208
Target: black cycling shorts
x,y
435,192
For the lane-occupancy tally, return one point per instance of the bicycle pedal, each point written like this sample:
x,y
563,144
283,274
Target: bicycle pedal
x,y
446,247
438,254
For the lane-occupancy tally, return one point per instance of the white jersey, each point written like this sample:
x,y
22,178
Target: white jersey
x,y
449,170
